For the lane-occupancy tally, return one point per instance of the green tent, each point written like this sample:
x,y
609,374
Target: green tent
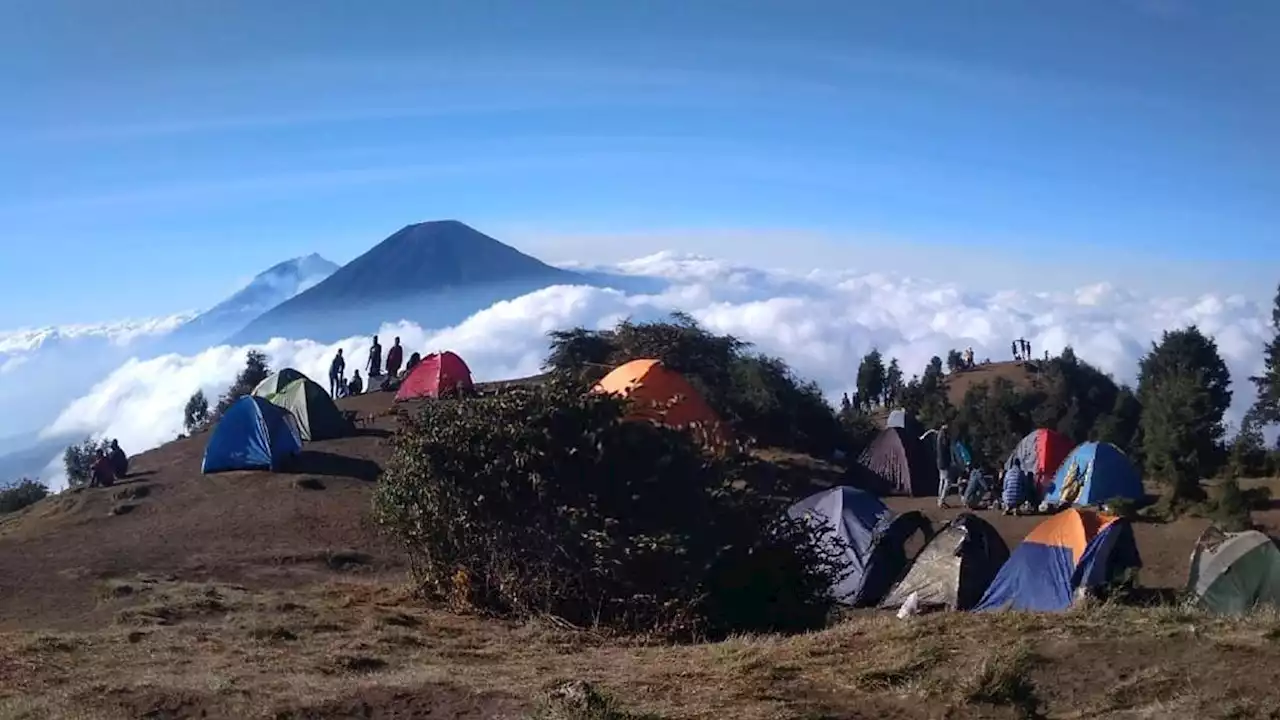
x,y
1233,572
276,382
318,418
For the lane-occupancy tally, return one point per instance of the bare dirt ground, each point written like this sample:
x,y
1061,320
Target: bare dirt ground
x,y
261,595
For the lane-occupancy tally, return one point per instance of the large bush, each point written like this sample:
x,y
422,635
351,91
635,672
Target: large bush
x,y
757,394
543,500
77,460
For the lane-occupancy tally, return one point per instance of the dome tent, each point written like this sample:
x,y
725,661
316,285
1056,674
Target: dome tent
x,y
1041,453
253,434
1231,573
1092,474
275,382
662,395
437,374
897,463
317,415
870,536
955,568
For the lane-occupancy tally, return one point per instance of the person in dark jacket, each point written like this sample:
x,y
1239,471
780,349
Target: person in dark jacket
x,y
119,461
101,473
414,360
942,456
395,358
337,369
356,386
374,366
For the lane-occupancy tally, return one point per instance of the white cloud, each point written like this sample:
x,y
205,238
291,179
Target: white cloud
x,y
820,322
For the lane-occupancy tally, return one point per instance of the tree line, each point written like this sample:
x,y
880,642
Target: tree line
x,y
1171,425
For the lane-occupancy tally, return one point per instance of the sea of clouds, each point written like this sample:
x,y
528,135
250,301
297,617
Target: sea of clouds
x,y
822,323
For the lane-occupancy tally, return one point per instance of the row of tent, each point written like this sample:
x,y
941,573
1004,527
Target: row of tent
x,y
263,430
898,462
968,566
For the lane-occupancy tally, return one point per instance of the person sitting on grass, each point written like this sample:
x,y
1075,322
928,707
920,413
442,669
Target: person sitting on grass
x,y
356,386
101,474
1015,488
976,490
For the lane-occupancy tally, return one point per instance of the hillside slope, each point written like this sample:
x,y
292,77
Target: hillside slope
x,y
435,273
256,528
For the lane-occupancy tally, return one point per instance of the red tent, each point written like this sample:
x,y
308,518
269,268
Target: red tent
x,y
1041,452
436,374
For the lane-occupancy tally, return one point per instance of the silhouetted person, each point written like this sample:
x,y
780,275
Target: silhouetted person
x,y
101,474
119,461
1013,348
356,386
414,360
337,369
1026,349
395,358
374,366
942,454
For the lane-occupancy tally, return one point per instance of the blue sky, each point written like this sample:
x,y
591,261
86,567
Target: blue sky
x,y
178,146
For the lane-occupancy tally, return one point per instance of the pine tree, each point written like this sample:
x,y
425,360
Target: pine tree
x,y
871,378
196,414
1183,386
255,371
1267,405
893,383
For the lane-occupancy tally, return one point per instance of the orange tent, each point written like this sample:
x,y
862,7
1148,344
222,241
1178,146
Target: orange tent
x,y
662,395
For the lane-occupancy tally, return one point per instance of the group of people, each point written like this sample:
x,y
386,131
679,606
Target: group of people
x,y
339,386
1021,349
109,464
1016,489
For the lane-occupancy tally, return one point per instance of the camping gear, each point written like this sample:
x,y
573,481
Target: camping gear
x,y
253,434
1070,554
277,381
869,535
954,570
1231,573
1041,453
438,374
317,416
659,394
897,463
1092,474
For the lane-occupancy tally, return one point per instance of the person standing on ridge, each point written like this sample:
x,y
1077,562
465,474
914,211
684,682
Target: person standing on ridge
x,y
337,369
395,356
1013,348
374,366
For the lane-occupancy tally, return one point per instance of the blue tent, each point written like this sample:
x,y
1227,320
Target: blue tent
x,y
874,539
1092,474
253,434
1072,553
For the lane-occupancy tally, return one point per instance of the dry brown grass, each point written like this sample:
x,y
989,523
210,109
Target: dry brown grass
x,y
359,647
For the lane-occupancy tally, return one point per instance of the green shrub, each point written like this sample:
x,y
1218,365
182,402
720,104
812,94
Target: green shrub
x,y
77,460
18,495
1228,507
541,500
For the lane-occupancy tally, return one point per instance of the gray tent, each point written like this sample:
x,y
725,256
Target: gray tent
x,y
1231,573
955,568
869,535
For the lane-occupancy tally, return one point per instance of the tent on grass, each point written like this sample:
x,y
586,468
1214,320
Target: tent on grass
x,y
253,434
1041,453
955,568
1231,573
438,374
659,394
318,417
870,536
1092,474
277,381
897,463
1068,555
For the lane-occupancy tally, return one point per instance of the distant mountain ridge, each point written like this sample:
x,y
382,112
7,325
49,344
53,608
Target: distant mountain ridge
x,y
268,289
434,273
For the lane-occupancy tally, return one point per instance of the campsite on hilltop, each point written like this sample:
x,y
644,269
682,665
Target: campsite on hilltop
x,y
646,530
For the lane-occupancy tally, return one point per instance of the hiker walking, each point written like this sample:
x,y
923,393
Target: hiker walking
x,y
395,357
337,369
374,366
942,453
